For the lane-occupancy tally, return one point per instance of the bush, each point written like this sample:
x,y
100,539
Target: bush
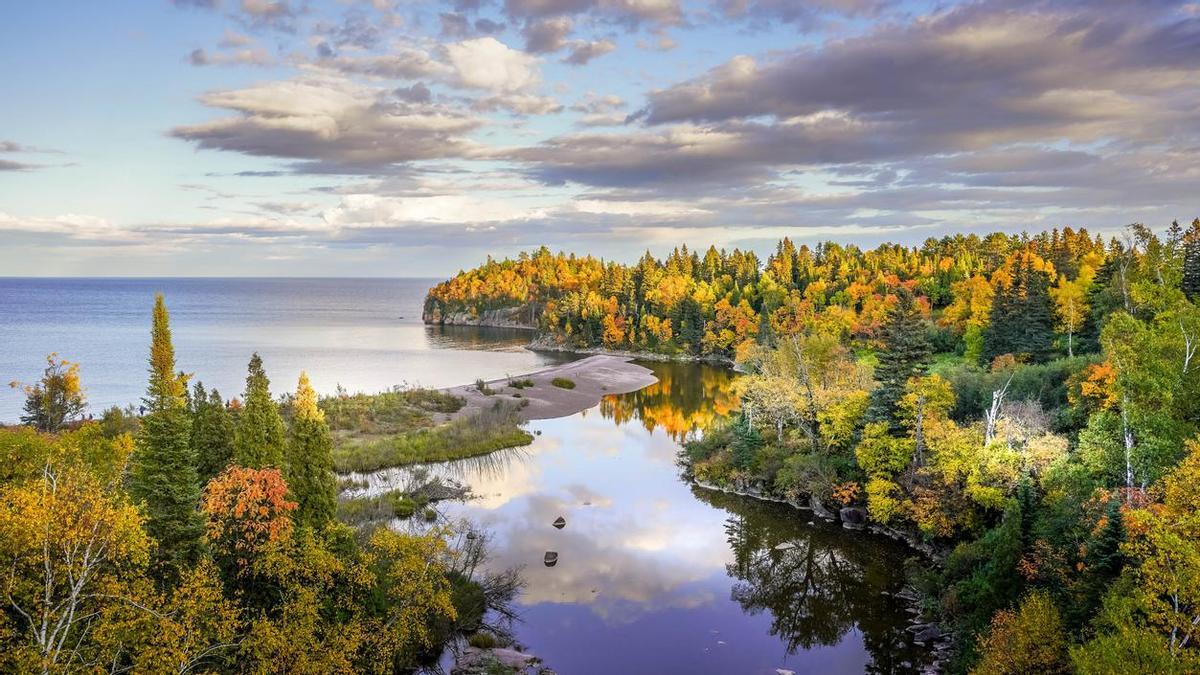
x,y
524,383
563,383
483,387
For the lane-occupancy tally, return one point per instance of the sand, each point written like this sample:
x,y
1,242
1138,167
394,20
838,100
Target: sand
x,y
595,377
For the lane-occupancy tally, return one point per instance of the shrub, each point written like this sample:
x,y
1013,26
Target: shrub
x,y
563,383
483,387
523,383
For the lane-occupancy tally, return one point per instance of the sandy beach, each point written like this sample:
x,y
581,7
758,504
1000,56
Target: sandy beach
x,y
594,378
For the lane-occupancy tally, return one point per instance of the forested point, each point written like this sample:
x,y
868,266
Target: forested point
x,y
197,534
1026,408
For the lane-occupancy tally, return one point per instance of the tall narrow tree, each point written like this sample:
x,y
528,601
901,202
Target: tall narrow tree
x,y
259,433
904,355
163,475
1191,262
310,460
212,433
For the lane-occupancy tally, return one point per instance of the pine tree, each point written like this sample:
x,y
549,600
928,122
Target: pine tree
x,y
212,433
1102,562
1021,321
163,473
904,355
689,324
1191,262
310,460
259,434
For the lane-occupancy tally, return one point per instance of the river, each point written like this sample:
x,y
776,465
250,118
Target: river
x,y
656,575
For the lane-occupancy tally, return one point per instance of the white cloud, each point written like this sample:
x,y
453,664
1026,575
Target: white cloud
x,y
487,63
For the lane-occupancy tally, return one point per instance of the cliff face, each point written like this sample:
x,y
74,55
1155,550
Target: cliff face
x,y
493,318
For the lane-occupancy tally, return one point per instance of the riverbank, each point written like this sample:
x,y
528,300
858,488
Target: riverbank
x,y
537,396
545,343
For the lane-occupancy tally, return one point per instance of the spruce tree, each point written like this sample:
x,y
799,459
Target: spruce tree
x,y
310,460
259,433
212,433
1021,321
904,355
1191,262
163,473
1102,562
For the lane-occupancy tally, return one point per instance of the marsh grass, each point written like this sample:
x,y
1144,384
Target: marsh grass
x,y
491,429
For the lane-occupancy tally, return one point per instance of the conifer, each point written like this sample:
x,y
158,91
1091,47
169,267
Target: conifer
x,y
904,355
212,433
1191,262
163,473
259,434
310,460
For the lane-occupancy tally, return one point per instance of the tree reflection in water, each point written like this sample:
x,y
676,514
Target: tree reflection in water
x,y
822,583
687,397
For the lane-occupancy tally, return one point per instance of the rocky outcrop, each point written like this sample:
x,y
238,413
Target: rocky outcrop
x,y
508,317
477,661
853,518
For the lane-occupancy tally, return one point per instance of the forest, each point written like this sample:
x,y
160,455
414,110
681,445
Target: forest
x,y
198,534
1026,408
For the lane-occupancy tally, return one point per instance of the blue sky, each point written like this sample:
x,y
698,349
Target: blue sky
x,y
402,138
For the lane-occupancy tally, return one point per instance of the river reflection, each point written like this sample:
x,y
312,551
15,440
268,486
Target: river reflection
x,y
657,576
686,397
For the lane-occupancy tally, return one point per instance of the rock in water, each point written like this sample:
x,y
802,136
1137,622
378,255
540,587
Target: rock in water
x,y
560,522
853,518
551,558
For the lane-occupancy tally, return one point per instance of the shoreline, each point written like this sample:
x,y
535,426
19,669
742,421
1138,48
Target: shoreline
x,y
594,378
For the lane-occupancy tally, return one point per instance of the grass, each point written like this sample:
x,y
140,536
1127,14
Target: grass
x,y
524,383
484,388
391,504
389,412
492,429
563,383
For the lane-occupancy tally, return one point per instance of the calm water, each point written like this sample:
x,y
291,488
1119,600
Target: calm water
x,y
657,576
365,334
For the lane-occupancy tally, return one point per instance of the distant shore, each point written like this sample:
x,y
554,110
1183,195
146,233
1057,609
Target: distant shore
x,y
540,398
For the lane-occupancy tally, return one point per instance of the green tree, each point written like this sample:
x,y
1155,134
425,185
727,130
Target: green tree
x,y
1021,321
212,432
904,355
55,400
164,476
310,460
259,434
1191,262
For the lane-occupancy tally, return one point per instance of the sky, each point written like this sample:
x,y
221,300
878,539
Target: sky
x,y
417,137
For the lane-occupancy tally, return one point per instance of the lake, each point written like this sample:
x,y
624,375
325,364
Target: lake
x,y
365,334
654,575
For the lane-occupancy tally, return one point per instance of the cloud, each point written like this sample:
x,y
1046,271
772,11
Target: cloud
x,y
583,51
808,16
521,104
547,35
631,13
486,63
404,63
332,122
276,14
255,56
369,210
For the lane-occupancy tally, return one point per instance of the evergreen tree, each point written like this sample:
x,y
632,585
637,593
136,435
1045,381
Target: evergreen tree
x,y
259,433
1021,321
310,460
746,442
1191,262
163,474
904,355
689,324
212,433
1102,562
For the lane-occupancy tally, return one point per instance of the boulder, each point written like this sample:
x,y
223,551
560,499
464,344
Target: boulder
x,y
551,558
819,509
560,522
853,518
